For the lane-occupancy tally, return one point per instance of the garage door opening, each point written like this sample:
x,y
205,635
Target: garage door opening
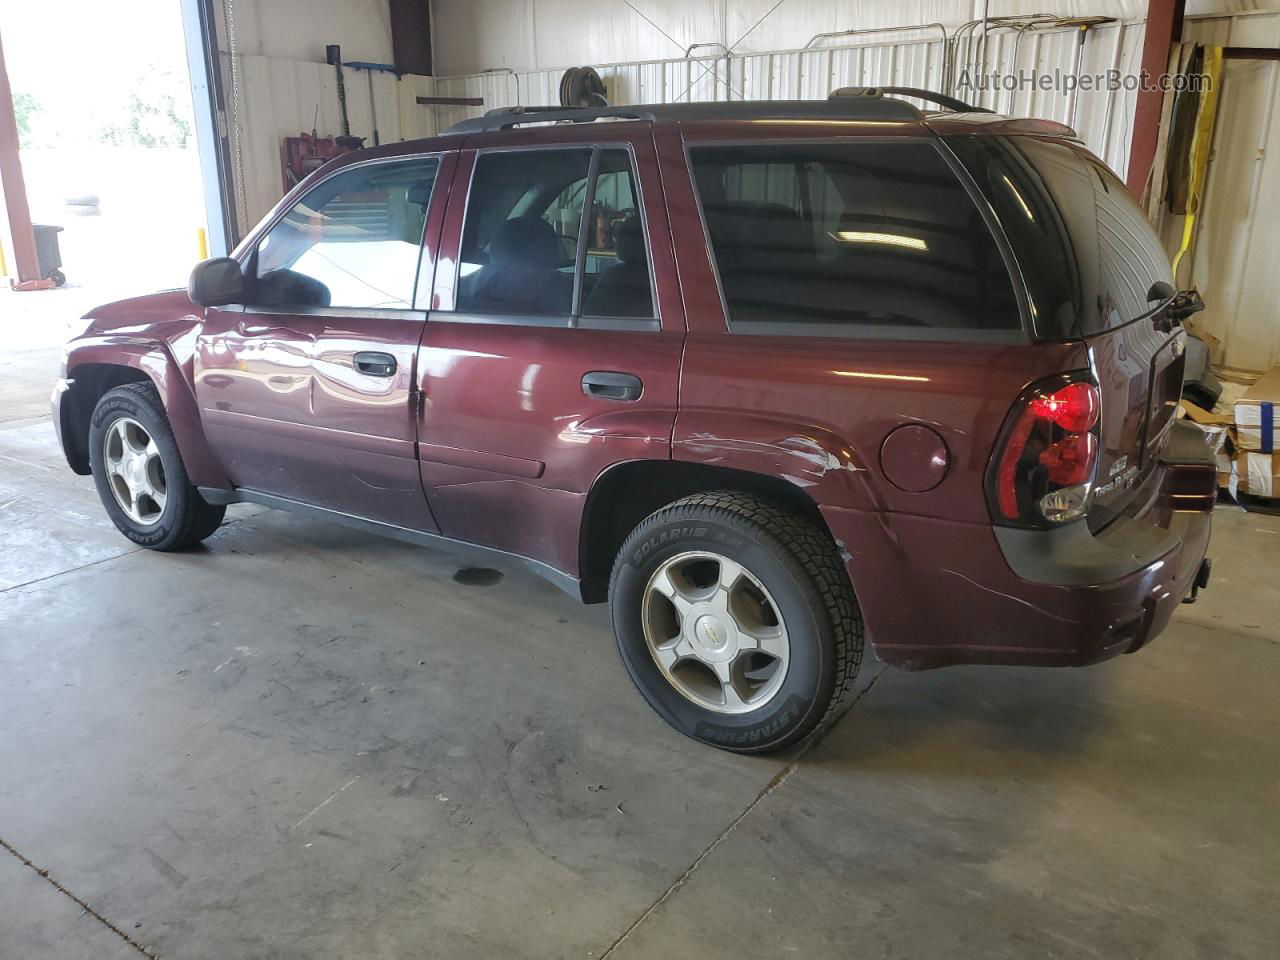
x,y
108,153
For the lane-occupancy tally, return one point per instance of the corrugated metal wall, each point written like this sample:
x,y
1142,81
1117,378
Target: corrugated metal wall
x,y
286,93
1237,255
290,97
917,60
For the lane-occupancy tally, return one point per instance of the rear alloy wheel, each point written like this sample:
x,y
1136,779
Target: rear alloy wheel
x,y
139,473
715,632
736,620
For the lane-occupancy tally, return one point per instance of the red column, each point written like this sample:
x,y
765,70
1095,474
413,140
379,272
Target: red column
x,y
15,227
1164,28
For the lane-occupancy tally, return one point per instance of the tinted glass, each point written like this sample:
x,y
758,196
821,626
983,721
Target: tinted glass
x,y
353,241
1085,248
820,236
520,242
526,222
616,269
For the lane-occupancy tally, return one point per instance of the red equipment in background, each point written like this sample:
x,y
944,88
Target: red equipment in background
x,y
306,152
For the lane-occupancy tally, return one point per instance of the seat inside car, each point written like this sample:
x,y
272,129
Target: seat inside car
x,y
623,288
522,275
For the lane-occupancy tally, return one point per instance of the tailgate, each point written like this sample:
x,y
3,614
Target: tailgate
x,y
1139,371
1090,261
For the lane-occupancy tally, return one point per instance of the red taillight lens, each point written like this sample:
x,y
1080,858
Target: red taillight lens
x,y
1045,463
1070,460
1074,407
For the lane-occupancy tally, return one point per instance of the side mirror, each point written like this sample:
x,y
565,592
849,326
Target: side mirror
x,y
216,282
1161,290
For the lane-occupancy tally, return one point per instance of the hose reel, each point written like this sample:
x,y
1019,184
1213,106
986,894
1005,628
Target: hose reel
x,y
582,87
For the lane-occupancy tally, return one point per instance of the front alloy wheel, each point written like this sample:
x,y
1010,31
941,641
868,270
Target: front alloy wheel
x,y
139,473
135,471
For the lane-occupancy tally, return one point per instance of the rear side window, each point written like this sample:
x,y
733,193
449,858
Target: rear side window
x,y
353,241
1084,246
554,234
823,238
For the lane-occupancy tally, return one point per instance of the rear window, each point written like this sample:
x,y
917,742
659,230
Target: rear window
x,y
850,236
1084,246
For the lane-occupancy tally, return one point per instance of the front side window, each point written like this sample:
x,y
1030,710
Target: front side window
x,y
543,238
353,241
815,237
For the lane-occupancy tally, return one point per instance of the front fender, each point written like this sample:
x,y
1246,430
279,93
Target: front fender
x,y
159,360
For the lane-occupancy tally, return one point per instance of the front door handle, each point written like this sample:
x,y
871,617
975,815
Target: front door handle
x,y
612,385
375,364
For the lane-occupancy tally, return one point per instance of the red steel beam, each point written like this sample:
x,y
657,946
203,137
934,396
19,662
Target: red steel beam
x,y
1164,28
15,227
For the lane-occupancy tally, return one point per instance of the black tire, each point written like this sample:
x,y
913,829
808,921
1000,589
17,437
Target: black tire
x,y
186,518
798,564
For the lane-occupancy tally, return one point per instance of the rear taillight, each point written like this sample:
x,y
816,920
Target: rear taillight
x,y
1042,472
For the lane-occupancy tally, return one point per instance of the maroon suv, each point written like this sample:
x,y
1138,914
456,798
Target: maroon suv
x,y
770,377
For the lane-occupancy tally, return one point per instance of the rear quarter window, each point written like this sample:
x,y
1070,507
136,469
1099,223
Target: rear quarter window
x,y
851,237
1086,251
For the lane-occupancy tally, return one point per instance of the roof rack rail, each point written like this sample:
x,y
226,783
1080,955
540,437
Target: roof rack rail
x,y
919,93
847,103
504,118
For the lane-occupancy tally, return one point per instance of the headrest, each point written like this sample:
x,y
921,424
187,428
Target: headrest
x,y
420,193
781,228
628,240
524,241
760,229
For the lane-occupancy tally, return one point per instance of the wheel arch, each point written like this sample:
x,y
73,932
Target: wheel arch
x,y
627,492
87,386
95,367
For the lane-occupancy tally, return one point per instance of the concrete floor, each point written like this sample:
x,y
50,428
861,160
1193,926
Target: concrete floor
x,y
304,742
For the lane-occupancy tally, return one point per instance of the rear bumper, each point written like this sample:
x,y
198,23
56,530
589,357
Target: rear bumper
x,y
935,593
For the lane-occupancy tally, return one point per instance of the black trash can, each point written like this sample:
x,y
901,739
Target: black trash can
x,y
47,252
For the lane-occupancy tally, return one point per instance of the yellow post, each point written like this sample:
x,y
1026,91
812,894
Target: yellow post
x,y
4,271
202,244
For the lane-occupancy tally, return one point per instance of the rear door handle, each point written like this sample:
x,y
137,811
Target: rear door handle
x,y
611,385
375,364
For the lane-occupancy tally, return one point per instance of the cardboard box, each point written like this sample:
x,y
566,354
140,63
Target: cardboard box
x,y
1214,427
1258,474
1255,415
1206,418
1226,469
